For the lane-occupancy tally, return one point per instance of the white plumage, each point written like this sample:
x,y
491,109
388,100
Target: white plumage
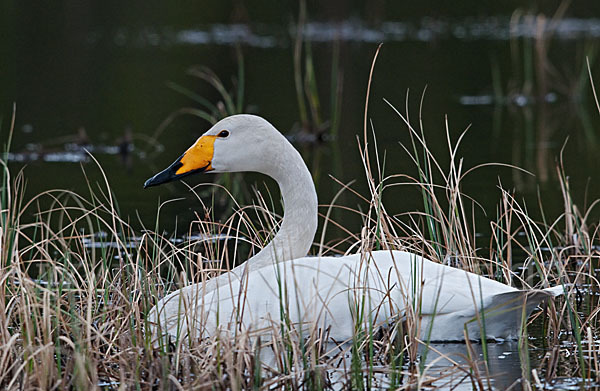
x,y
332,293
327,293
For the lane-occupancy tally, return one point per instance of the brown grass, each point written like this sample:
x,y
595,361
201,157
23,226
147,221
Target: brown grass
x,y
76,282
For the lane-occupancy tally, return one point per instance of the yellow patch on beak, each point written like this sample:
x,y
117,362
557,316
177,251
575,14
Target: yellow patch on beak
x,y
199,156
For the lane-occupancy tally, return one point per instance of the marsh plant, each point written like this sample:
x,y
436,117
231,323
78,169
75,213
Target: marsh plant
x,y
77,281
313,117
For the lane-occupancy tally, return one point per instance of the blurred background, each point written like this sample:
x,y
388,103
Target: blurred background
x,y
135,83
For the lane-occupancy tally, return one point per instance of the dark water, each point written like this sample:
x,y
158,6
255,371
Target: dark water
x,y
96,75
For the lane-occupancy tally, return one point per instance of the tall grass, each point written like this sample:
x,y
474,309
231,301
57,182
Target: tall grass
x,y
77,281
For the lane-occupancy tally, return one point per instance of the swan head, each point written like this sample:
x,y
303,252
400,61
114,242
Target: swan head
x,y
237,143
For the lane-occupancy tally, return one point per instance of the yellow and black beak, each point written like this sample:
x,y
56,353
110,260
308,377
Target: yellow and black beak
x,y
196,159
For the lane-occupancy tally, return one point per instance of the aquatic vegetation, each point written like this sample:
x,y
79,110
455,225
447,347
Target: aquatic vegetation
x,y
313,120
77,283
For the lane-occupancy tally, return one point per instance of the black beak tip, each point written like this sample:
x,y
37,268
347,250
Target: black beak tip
x,y
170,174
149,183
165,176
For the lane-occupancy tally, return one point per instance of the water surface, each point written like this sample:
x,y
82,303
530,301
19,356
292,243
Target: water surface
x,y
91,81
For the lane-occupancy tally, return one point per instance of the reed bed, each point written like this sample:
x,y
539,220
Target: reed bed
x,y
77,281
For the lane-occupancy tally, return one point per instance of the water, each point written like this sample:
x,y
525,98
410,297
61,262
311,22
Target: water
x,y
450,365
97,81
91,81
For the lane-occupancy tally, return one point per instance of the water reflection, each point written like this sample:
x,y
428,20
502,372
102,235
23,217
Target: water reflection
x,y
455,366
447,366
76,148
428,29
504,364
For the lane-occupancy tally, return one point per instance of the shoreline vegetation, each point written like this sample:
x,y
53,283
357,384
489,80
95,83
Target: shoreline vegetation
x,y
77,283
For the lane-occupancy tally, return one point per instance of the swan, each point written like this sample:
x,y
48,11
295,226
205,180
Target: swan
x,y
280,286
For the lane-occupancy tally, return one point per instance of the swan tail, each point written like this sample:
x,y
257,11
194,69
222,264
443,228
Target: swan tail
x,y
518,300
504,315
556,290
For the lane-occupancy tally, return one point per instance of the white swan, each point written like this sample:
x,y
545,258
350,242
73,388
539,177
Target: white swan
x,y
327,293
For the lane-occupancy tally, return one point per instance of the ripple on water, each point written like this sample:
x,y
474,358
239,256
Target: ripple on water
x,y
428,29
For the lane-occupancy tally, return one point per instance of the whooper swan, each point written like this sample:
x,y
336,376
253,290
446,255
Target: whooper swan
x,y
326,293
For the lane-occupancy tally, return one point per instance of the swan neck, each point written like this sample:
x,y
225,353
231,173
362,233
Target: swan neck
x,y
299,224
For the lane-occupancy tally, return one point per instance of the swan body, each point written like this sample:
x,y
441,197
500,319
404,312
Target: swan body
x,y
323,293
333,293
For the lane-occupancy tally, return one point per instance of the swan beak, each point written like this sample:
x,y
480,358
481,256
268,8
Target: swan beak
x,y
196,159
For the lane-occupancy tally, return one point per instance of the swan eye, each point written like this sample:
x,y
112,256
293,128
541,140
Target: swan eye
x,y
223,133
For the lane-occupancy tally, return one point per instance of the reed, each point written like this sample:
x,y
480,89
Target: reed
x,y
313,117
77,281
